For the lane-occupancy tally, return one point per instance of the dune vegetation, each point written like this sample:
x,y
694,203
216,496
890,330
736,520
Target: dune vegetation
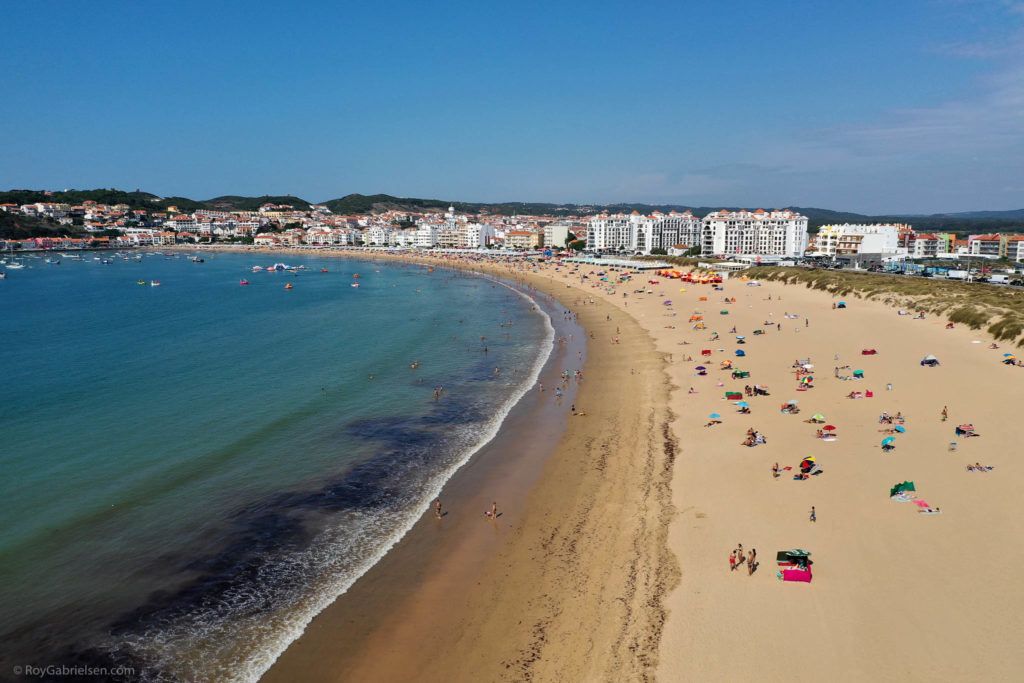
x,y
997,309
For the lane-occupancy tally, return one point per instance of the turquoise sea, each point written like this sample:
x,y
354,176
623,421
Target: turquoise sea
x,y
192,471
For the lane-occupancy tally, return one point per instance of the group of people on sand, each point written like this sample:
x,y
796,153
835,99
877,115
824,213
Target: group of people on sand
x,y
439,512
754,438
738,558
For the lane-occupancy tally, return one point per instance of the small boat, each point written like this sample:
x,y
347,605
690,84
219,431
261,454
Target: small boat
x,y
196,259
141,282
354,284
3,275
257,269
106,261
154,283
243,282
14,265
289,286
323,270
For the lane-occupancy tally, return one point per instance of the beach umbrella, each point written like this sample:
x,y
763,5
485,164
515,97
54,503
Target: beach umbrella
x,y
930,357
808,366
792,402
888,440
829,428
818,416
700,367
901,429
714,416
743,404
740,336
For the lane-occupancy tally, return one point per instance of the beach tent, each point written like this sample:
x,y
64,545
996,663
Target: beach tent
x,y
930,361
859,374
841,304
740,352
900,488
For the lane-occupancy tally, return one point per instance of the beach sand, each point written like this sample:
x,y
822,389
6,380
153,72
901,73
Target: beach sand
x,y
567,585
896,595
577,590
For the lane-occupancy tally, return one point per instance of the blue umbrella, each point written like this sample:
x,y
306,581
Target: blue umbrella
x,y
1007,355
714,416
743,404
888,440
900,428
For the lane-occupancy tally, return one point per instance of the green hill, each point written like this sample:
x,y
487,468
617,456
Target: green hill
x,y
14,226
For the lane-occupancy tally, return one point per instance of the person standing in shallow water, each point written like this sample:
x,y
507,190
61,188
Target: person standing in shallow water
x,y
437,509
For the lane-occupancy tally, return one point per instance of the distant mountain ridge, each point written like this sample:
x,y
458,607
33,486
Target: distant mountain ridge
x,y
968,221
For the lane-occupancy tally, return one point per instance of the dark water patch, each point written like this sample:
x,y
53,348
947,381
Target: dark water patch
x,y
259,536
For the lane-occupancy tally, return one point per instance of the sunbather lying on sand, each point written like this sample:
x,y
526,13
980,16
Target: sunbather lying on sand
x,y
978,467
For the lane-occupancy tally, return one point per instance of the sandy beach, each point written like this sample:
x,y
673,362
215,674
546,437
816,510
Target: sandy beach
x,y
480,601
896,594
616,566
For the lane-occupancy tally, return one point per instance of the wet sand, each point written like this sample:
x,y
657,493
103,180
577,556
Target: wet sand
x,y
464,598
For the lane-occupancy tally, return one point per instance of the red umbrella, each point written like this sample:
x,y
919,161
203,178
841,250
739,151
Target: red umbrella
x,y
829,428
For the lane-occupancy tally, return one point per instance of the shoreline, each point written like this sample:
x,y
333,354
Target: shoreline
x,y
391,598
896,594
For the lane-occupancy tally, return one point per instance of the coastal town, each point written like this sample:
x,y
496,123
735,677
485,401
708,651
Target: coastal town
x,y
753,236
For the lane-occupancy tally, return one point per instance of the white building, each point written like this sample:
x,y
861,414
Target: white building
x,y
675,228
638,233
615,232
760,232
378,236
477,235
426,235
850,238
555,235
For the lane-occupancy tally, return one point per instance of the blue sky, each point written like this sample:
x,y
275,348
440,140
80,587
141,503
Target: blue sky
x,y
906,106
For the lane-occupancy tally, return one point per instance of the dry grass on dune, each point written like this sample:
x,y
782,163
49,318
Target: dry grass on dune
x,y
1000,310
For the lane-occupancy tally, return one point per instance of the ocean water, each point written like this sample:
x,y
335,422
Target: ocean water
x,y
192,471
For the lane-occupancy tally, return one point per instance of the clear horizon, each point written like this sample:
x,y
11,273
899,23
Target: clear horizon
x,y
874,108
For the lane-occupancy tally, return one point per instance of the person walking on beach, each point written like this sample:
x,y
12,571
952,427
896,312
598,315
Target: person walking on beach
x,y
945,413
775,471
493,512
814,514
437,509
752,562
732,561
